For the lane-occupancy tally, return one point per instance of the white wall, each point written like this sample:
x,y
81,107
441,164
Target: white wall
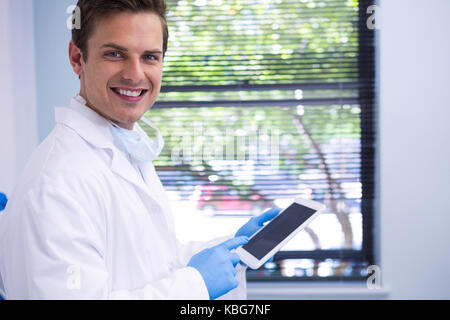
x,y
56,82
18,126
35,77
414,130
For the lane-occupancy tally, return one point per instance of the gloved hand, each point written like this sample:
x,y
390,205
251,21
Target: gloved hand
x,y
256,223
217,266
3,201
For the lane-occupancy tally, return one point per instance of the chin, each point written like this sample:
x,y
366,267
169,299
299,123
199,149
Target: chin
x,y
131,118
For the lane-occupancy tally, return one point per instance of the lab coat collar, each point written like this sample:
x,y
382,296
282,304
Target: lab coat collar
x,y
95,129
86,122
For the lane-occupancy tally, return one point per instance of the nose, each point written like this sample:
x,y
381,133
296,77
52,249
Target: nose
x,y
133,72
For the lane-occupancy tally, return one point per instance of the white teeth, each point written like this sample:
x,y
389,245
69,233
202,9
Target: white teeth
x,y
130,93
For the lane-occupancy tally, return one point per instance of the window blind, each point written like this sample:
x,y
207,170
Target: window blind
x,y
264,101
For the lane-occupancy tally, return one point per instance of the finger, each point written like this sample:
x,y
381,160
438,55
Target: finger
x,y
234,258
267,216
232,270
235,242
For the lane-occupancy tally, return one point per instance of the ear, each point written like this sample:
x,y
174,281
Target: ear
x,y
76,58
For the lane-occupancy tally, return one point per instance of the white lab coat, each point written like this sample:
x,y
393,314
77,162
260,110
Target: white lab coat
x,y
83,223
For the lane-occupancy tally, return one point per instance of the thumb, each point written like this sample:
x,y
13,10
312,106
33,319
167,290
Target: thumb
x,y
267,216
233,243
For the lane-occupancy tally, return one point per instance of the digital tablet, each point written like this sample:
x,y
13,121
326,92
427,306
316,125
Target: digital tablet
x,y
270,238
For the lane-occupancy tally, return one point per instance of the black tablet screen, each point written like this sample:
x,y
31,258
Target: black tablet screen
x,y
278,229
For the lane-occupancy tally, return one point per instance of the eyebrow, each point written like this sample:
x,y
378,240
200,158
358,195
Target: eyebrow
x,y
117,47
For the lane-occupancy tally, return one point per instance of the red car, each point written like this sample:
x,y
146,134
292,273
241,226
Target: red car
x,y
221,199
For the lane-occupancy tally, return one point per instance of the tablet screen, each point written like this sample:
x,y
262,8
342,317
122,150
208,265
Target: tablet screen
x,y
278,229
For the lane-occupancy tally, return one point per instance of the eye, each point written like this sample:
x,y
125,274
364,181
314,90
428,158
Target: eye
x,y
113,54
150,57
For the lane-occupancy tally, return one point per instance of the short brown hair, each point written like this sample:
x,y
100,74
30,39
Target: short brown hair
x,y
92,10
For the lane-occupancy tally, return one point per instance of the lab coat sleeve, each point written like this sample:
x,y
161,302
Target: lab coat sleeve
x,y
185,283
62,255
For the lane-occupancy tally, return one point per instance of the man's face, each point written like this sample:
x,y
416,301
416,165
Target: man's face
x,y
122,76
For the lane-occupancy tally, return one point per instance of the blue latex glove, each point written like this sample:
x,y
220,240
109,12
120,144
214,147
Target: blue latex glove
x,y
3,201
217,266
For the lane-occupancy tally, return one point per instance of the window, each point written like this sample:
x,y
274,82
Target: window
x,y
264,101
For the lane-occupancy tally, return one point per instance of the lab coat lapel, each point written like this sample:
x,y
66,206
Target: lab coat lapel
x,y
96,130
152,181
157,189
122,167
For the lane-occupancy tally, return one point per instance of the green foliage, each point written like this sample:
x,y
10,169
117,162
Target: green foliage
x,y
223,42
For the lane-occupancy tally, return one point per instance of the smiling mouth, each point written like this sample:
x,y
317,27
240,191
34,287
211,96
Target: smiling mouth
x,y
130,94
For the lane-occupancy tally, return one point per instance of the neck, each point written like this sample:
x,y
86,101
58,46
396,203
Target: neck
x,y
127,126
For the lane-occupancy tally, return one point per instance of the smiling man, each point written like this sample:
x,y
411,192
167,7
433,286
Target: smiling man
x,y
121,65
89,218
